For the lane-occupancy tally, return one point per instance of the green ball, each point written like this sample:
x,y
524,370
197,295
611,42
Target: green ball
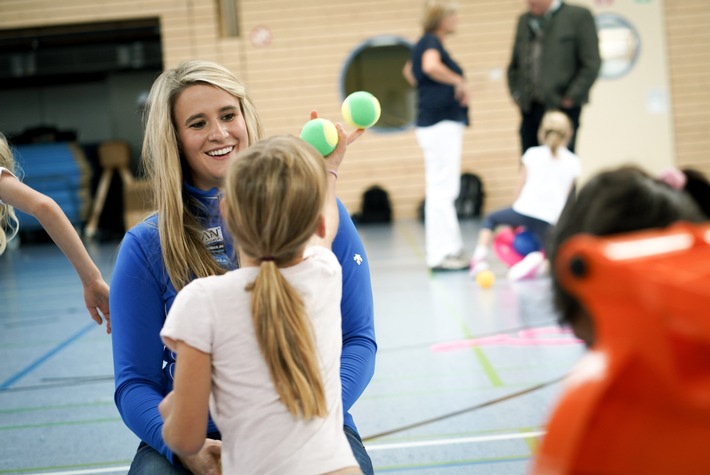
x,y
361,110
321,134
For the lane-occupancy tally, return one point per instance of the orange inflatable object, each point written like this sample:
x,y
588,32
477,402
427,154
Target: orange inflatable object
x,y
638,402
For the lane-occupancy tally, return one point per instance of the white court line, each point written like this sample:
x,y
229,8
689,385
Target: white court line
x,y
89,471
461,440
370,448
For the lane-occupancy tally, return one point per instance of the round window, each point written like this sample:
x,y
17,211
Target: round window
x,y
619,45
376,66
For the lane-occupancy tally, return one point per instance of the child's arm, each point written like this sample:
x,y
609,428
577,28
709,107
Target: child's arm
x,y
15,193
185,409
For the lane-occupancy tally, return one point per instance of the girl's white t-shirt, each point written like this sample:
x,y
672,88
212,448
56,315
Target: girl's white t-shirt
x,y
548,182
259,435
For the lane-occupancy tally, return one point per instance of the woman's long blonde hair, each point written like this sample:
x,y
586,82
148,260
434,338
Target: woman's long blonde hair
x,y
184,253
274,195
555,130
9,224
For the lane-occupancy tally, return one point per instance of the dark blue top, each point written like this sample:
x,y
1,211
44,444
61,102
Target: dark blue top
x,y
142,294
436,100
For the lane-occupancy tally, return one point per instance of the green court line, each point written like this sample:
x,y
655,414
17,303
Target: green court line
x,y
483,360
67,467
412,243
456,435
533,442
444,390
430,465
19,410
63,423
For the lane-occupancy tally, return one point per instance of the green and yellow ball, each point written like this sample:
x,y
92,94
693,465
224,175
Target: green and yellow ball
x,y
361,110
321,134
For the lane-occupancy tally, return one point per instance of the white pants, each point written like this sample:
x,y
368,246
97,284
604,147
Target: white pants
x,y
441,144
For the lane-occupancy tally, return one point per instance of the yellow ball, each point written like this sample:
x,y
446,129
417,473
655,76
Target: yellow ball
x,y
322,134
485,279
361,110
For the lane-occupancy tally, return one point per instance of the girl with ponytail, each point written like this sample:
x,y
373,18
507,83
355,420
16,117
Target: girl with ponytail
x,y
547,176
265,340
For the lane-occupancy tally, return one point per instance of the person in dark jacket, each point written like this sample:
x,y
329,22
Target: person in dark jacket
x,y
554,64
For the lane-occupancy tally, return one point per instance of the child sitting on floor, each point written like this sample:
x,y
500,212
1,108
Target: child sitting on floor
x,y
547,175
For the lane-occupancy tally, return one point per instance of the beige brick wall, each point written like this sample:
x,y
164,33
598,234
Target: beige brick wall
x,y
688,31
301,69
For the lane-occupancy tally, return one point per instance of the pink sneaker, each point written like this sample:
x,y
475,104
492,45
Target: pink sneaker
x,y
528,267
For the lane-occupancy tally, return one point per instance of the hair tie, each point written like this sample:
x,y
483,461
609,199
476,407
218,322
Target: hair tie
x,y
267,259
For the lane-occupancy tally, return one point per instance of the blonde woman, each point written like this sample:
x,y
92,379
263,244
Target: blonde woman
x,y
15,194
547,175
265,339
197,118
442,115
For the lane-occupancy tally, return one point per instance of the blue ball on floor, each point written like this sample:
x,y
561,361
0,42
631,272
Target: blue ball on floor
x,y
525,242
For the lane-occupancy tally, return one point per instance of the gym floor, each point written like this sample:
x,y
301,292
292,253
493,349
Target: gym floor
x,y
465,378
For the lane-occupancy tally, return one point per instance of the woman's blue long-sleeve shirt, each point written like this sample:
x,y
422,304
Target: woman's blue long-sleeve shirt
x,y
142,294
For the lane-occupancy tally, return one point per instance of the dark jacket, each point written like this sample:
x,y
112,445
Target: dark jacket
x,y
570,58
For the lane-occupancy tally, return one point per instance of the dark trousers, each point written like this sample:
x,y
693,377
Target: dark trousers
x,y
532,119
510,217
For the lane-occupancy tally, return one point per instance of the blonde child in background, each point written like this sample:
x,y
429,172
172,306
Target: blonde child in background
x,y
546,177
261,345
15,194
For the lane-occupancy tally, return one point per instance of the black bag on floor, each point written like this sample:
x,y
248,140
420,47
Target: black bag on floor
x,y
470,200
376,207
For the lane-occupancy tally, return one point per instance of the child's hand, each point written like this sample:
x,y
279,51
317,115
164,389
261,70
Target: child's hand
x,y
96,300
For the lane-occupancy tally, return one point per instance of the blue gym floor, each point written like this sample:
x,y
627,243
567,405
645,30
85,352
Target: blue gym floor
x,y
438,403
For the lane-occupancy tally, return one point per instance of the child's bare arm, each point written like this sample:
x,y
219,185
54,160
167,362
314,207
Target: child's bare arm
x,y
185,409
15,193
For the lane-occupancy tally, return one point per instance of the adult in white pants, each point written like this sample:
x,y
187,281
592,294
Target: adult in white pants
x,y
441,144
442,114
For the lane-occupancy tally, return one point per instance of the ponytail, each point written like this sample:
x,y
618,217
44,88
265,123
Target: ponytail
x,y
274,196
555,130
554,139
285,338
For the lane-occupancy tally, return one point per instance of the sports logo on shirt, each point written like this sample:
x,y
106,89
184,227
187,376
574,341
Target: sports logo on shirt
x,y
213,239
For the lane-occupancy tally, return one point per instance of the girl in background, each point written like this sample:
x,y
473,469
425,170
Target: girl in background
x,y
546,178
15,194
264,340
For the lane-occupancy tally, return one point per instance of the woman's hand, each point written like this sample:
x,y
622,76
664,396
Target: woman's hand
x,y
344,139
462,93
